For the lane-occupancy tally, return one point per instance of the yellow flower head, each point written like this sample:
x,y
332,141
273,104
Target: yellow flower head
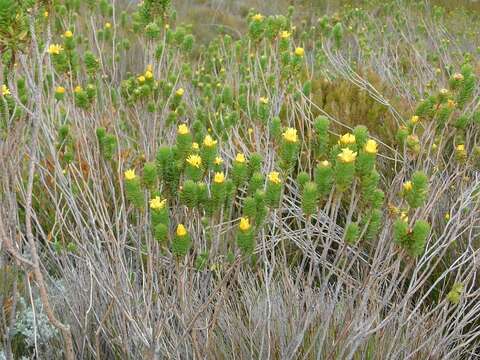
x,y
77,89
274,177
60,90
447,216
325,163
347,156
55,49
209,142
180,92
183,129
408,186
150,67
130,174
218,160
444,91
250,131
5,90
148,74
347,139
108,25
68,34
181,231
404,216
240,158
285,34
290,135
195,146
458,77
263,100
194,160
299,51
258,17
451,104
45,14
219,178
460,147
141,79
157,204
371,147
244,224
414,119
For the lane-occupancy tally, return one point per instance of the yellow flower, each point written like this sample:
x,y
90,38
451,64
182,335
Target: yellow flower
x,y
347,156
141,79
78,89
5,90
244,224
325,163
219,178
274,177
55,49
157,204
45,14
407,186
460,148
299,51
181,231
130,174
263,100
68,34
180,92
108,25
194,160
240,158
451,104
209,142
218,160
404,216
290,135
414,119
447,216
258,17
371,147
347,139
148,74
458,76
183,129
285,34
60,90
444,91
167,26
195,146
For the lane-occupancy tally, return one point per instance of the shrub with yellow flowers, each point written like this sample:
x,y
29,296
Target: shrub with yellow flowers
x,y
133,189
184,141
415,190
181,242
159,219
345,168
208,151
274,189
289,149
245,237
239,170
